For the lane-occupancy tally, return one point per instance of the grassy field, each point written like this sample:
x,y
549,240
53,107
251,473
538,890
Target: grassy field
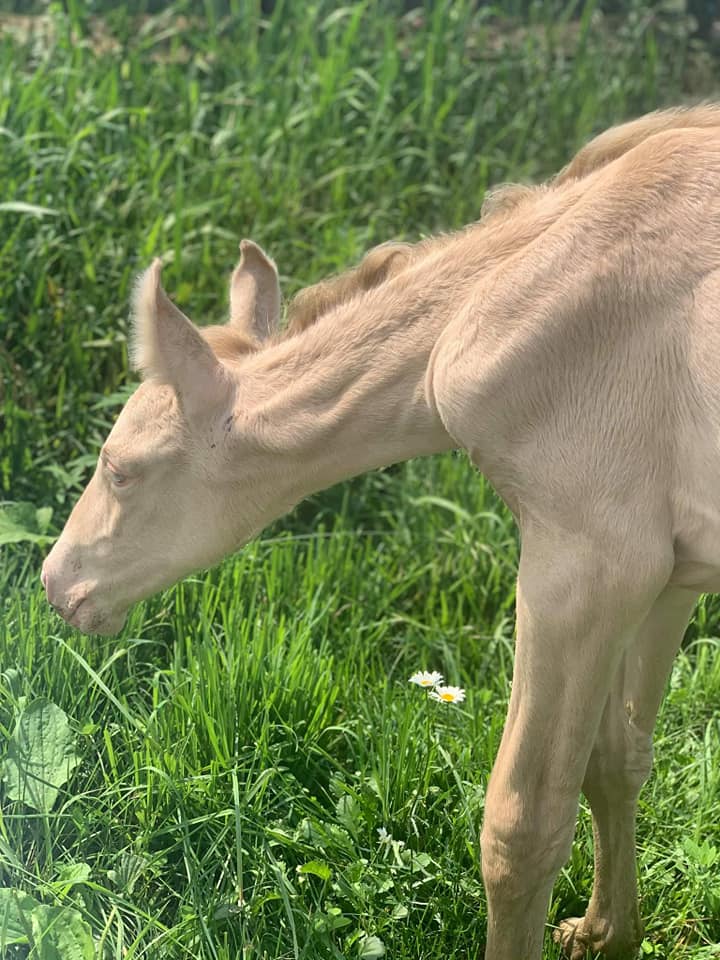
x,y
245,771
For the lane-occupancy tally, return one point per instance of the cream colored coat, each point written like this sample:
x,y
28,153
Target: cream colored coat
x,y
570,341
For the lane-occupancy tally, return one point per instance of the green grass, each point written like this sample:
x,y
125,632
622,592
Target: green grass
x,y
250,732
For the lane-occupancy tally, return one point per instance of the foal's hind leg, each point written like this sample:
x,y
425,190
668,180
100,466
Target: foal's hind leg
x,y
619,765
576,614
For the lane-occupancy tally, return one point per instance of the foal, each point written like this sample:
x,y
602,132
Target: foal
x,y
570,342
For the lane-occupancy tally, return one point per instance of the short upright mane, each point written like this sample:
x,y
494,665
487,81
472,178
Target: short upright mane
x,y
504,200
378,265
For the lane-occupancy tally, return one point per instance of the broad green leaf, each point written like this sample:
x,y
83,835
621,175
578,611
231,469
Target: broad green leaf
x,y
70,874
703,854
41,755
371,947
334,919
60,933
131,867
347,811
23,521
317,868
15,910
12,678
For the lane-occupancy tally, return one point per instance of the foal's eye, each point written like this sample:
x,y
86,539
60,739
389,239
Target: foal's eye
x,y
116,478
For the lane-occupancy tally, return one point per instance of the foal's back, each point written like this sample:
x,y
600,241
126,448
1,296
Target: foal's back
x,y
582,372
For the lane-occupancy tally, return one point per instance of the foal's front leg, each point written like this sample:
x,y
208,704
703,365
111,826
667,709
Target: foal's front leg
x,y
576,612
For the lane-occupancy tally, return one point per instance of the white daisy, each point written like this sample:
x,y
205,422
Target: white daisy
x,y
448,694
425,678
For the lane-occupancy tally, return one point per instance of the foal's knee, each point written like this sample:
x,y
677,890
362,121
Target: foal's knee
x,y
524,845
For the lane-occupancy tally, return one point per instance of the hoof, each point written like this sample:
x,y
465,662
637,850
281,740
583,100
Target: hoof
x,y
574,939
579,941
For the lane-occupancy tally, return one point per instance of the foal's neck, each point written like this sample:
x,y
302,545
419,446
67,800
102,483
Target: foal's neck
x,y
348,394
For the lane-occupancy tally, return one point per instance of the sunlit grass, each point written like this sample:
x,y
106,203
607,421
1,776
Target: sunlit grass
x,y
259,780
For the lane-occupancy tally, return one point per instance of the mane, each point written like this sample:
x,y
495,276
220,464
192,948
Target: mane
x,y
378,265
500,202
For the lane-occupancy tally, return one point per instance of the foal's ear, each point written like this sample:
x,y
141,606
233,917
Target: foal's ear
x,y
168,348
254,293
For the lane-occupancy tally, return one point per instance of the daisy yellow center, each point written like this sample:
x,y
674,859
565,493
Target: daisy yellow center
x,y
426,683
447,696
